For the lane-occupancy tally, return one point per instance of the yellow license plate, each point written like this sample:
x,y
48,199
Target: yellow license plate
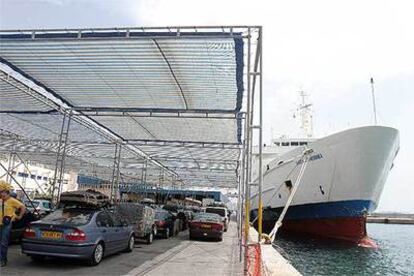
x,y
51,235
205,226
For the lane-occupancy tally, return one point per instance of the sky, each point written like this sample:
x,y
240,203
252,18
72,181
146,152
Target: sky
x,y
329,49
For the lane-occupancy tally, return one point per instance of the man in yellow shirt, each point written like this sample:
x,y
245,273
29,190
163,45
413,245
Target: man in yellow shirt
x,y
9,208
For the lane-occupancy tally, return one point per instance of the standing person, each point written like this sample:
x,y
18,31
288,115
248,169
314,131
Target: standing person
x,y
9,207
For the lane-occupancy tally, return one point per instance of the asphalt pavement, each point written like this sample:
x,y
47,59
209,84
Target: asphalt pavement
x,y
118,264
175,256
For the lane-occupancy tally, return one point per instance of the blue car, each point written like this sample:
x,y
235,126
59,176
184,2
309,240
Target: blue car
x,y
80,233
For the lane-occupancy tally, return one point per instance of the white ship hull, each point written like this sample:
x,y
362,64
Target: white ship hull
x,y
343,181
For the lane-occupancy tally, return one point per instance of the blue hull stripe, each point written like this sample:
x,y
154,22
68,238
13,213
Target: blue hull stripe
x,y
337,209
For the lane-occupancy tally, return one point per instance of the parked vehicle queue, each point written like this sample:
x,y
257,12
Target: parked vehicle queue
x,y
90,234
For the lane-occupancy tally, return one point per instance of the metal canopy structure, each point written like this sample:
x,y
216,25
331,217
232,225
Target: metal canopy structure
x,y
170,107
167,100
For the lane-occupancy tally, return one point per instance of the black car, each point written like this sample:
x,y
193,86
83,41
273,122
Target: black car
x,y
179,213
166,223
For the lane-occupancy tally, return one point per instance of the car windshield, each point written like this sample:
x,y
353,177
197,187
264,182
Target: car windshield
x,y
161,215
218,211
30,205
171,208
71,216
207,217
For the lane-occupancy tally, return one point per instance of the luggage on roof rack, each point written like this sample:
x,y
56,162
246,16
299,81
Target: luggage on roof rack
x,y
89,197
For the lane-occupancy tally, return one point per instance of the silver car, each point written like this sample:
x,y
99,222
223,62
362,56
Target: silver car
x,y
87,234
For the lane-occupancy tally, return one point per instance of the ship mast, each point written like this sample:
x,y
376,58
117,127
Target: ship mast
x,y
373,101
305,116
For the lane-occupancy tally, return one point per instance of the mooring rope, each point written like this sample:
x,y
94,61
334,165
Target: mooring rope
x,y
278,223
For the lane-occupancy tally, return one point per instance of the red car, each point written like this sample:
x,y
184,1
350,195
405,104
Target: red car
x,y
206,225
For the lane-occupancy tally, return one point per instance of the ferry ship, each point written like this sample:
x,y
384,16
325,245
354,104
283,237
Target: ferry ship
x,y
342,182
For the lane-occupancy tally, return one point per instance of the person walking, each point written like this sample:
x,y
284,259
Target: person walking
x,y
11,210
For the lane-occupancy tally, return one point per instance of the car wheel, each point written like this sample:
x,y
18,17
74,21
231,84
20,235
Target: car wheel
x,y
150,238
97,255
220,238
131,244
167,233
37,258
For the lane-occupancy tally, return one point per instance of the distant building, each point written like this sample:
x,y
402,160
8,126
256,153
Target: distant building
x,y
37,180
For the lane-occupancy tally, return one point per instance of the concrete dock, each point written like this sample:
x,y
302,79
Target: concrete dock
x,y
391,220
272,262
197,258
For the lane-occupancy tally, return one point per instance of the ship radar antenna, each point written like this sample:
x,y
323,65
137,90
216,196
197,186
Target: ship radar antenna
x,y
373,101
305,113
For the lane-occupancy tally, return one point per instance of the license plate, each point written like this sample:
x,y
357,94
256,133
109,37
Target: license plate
x,y
51,235
207,226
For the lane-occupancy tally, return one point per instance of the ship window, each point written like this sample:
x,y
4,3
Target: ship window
x,y
277,143
285,144
295,143
303,143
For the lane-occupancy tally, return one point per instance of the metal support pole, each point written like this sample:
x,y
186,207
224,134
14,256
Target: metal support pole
x,y
60,157
118,173
6,173
11,165
115,174
145,173
161,178
248,152
374,106
260,207
240,211
142,172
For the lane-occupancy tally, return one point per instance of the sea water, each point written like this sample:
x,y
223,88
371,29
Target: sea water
x,y
395,255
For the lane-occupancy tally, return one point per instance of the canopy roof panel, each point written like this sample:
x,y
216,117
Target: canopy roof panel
x,y
172,129
46,127
12,97
139,71
172,97
191,151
